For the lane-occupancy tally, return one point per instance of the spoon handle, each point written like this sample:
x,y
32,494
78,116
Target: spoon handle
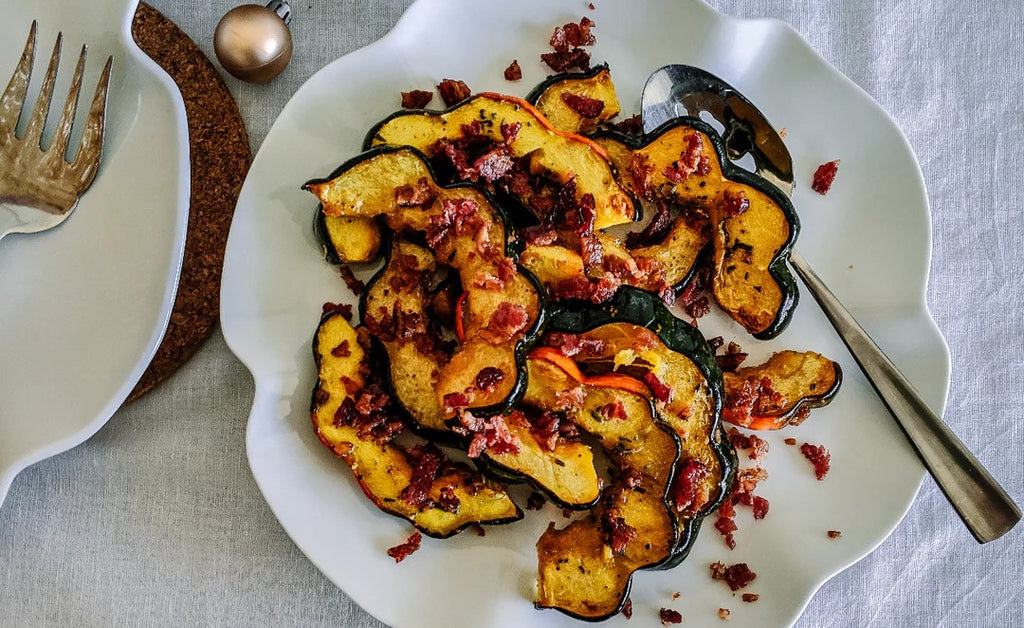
x,y
979,500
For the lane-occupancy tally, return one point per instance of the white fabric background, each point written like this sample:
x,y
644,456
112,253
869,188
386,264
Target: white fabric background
x,y
156,520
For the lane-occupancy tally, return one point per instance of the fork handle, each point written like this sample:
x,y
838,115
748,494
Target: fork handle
x,y
979,500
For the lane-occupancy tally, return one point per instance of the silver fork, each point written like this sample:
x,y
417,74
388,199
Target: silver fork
x,y
40,188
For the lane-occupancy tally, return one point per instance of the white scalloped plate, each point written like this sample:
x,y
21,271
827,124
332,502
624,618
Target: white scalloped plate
x,y
83,306
869,238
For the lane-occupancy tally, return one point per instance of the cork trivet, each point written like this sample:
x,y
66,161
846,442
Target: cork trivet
x,y
220,158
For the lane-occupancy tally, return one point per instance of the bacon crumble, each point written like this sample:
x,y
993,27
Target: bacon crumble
x,y
736,576
453,91
819,457
824,176
416,99
488,378
486,434
669,616
402,551
355,285
345,309
513,72
584,105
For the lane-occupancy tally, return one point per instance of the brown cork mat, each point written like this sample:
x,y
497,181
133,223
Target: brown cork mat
x,y
220,158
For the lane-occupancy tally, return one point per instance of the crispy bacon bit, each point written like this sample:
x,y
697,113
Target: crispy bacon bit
x,y
426,461
583,289
661,391
590,5
669,617
688,492
577,58
457,216
550,427
345,309
734,204
535,501
736,576
824,176
632,477
584,105
732,358
448,501
572,35
692,298
759,506
368,411
640,171
591,251
539,235
834,534
416,99
488,434
627,608
453,91
756,447
690,161
505,323
613,411
510,131
569,400
716,343
656,230
402,551
342,350
819,457
753,398
494,164
619,533
723,613
488,378
513,72
698,307
750,597
633,125
726,526
422,194
675,596
487,281
407,274
572,345
455,401
355,285
790,441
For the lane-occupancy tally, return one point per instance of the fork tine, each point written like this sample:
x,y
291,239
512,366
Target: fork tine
x,y
67,117
87,159
14,95
37,122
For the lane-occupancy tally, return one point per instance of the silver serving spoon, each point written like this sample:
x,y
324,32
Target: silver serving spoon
x,y
678,90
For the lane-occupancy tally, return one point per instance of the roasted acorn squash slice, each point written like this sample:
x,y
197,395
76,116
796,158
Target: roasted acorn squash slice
x,y
348,240
780,391
636,350
753,223
585,568
562,156
382,468
466,231
553,97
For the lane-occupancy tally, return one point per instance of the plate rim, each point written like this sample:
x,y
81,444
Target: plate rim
x,y
265,394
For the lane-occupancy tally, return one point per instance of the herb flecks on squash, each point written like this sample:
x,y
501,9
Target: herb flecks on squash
x,y
455,497
523,134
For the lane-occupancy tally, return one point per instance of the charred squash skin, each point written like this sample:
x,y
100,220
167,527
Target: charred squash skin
x,y
369,185
383,469
803,380
595,83
752,281
562,155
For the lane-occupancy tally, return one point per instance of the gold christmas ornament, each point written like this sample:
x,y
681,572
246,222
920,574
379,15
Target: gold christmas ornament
x,y
253,42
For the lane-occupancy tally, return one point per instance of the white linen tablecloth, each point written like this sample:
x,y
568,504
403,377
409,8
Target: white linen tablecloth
x,y
156,519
